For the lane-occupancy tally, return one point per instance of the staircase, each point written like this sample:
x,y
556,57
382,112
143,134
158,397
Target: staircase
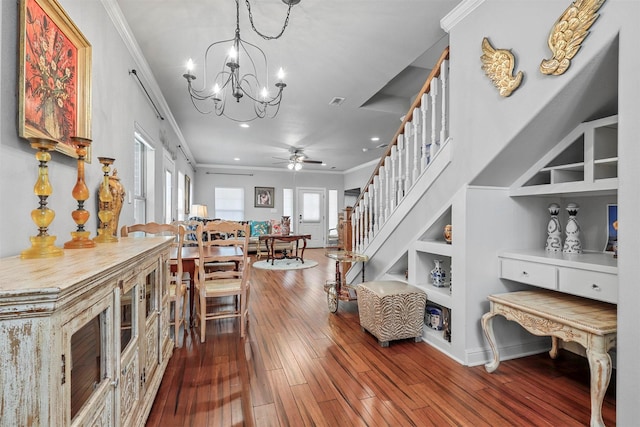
x,y
383,215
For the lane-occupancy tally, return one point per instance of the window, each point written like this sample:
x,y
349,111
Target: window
x,y
168,188
142,179
311,207
181,196
333,209
287,202
229,203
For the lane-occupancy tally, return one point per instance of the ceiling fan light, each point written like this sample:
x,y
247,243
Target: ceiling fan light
x,y
290,166
298,166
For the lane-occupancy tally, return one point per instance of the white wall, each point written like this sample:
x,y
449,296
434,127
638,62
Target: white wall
x,y
207,178
117,103
483,125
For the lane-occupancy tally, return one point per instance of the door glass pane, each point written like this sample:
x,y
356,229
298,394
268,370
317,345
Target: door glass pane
x,y
128,309
87,361
150,293
311,207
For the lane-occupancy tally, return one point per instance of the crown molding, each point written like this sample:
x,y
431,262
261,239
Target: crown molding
x,y
142,68
268,169
458,13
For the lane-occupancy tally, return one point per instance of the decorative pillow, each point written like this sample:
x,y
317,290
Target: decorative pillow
x,y
276,226
258,228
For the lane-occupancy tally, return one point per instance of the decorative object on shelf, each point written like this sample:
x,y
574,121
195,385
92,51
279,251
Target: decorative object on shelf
x,y
434,317
80,237
42,245
230,84
105,203
554,230
118,193
615,245
285,228
447,233
438,275
263,197
54,86
498,65
572,243
568,33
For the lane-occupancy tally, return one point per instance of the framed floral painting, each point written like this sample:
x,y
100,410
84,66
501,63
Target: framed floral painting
x,y
54,76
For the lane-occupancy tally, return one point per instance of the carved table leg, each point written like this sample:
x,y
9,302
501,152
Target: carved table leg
x,y
553,353
487,327
600,367
304,245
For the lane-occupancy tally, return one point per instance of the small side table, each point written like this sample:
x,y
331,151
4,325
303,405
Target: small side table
x,y
335,289
588,322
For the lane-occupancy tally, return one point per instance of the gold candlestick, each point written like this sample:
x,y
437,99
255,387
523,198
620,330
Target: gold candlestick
x,y
105,212
80,237
42,245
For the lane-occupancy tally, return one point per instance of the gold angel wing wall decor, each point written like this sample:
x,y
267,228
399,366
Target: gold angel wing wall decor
x,y
498,65
568,33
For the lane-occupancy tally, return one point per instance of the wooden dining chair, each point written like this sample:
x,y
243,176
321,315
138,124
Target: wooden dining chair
x,y
190,226
226,247
178,284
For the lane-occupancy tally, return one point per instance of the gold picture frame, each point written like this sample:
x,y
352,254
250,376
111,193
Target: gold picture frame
x,y
54,76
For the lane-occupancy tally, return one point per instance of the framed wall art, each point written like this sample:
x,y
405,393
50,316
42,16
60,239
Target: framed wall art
x,y
54,76
612,229
263,197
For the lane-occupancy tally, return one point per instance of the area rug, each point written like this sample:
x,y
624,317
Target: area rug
x,y
285,264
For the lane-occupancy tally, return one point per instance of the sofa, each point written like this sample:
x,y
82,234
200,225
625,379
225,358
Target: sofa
x,y
260,228
257,228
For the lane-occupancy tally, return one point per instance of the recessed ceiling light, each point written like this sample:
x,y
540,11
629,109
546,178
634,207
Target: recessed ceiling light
x,y
324,164
375,138
237,159
244,125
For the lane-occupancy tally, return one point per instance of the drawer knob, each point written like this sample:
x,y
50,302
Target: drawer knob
x,y
595,287
525,274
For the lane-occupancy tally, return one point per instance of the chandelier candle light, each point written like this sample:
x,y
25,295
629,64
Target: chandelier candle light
x,y
230,82
80,237
42,245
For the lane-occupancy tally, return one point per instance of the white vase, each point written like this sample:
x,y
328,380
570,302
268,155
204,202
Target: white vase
x,y
572,243
554,230
438,275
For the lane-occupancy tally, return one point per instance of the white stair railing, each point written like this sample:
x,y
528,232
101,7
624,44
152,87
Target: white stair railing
x,y
415,144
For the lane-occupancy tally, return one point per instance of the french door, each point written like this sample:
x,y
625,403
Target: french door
x,y
310,215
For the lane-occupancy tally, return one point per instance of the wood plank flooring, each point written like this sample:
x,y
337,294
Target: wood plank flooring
x,y
302,366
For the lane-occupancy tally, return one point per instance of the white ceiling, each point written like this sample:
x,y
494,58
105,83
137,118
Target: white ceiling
x,y
374,53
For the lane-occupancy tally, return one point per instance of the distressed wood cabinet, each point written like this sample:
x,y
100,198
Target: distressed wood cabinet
x,y
85,337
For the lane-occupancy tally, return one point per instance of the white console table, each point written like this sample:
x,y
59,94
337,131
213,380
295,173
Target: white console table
x,y
85,336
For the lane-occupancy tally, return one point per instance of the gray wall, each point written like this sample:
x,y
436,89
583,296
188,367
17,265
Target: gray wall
x,y
117,104
208,178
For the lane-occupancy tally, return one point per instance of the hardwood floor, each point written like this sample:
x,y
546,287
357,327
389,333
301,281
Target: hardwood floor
x,y
300,365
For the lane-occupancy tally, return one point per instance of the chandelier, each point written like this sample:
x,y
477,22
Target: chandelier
x,y
230,83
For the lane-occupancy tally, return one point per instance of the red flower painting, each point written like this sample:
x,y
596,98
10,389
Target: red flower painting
x,y
51,68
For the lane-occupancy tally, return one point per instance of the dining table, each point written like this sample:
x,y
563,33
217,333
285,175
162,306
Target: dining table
x,y
212,254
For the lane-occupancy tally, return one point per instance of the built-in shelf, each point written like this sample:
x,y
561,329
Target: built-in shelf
x,y
584,162
439,295
433,246
603,262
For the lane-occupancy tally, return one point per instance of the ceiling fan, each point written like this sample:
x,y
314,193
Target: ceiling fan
x,y
297,158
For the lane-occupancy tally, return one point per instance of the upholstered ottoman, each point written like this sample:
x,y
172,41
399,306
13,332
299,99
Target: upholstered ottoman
x,y
391,310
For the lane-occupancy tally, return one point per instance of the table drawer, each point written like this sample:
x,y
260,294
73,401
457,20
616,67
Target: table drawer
x,y
590,284
531,273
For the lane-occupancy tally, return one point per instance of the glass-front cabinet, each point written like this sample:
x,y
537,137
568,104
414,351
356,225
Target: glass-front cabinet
x,y
83,335
87,370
